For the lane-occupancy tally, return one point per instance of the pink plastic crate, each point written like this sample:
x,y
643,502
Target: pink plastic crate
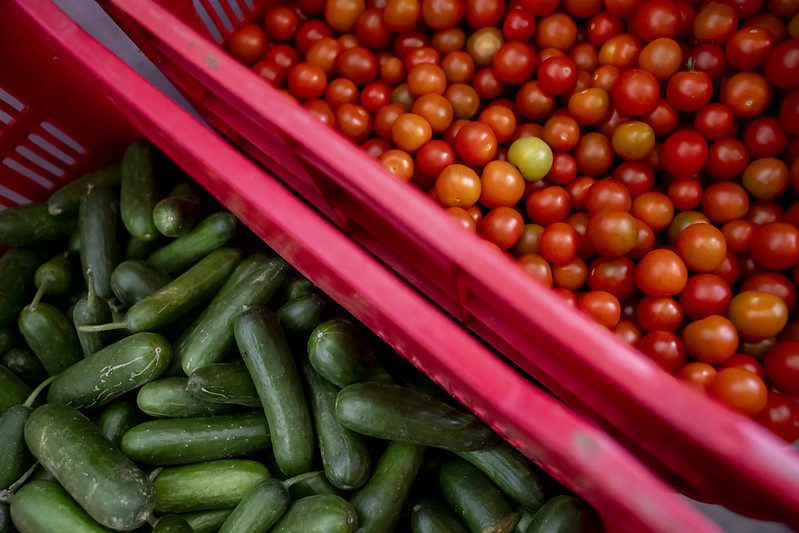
x,y
54,73
720,455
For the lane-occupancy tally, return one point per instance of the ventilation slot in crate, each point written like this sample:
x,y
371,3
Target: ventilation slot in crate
x,y
221,17
10,107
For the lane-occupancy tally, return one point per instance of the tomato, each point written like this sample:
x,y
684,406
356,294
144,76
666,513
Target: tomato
x,y
776,246
310,32
715,23
781,416
740,390
607,195
322,111
602,306
661,273
705,295
548,205
659,313
533,103
636,92
637,177
749,48
558,243
602,27
409,43
748,94
715,121
772,283
519,25
627,332
739,234
385,118
458,186
782,65
633,140
702,247
655,19
532,156
726,159
689,91
537,267
501,120
557,75
781,365
354,122
682,221
685,194
662,57
758,315
655,209
726,201
789,113
426,79
594,154
341,15
487,85
410,131
402,15
515,63
615,275
377,95
761,213
612,233
712,339
709,58
746,362
392,71
502,185
503,226
281,23
442,14
589,106
483,13
528,243
621,51
358,65
476,144
697,374
684,153
248,43
371,29
464,100
664,348
556,31
398,163
765,137
561,133
463,217
418,55
766,178
324,53
433,157
483,44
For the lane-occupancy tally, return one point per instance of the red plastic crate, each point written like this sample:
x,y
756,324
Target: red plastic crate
x,y
723,456
55,72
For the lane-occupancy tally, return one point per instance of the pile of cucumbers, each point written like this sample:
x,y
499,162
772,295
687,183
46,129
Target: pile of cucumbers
x,y
157,377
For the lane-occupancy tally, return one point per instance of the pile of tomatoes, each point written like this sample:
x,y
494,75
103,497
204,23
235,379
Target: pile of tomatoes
x,y
641,157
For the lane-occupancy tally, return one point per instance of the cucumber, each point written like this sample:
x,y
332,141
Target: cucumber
x,y
473,496
31,224
202,486
206,521
116,419
168,398
338,352
176,215
324,513
207,236
524,522
51,336
73,246
7,340
98,248
5,518
299,287
510,470
309,484
301,315
268,357
345,457
16,279
180,441
210,337
24,364
132,281
55,276
44,506
66,199
392,412
259,510
14,457
172,523
380,501
101,479
138,192
13,391
139,250
113,371
431,517
224,383
92,310
564,514
180,296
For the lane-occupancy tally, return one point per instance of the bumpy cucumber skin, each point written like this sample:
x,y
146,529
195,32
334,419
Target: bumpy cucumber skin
x,y
259,510
132,281
13,391
206,521
207,236
169,398
301,315
17,269
318,514
176,215
266,353
51,336
138,191
429,518
345,457
172,523
24,364
563,514
116,419
92,310
32,224
98,241
392,412
66,199
14,457
380,501
338,352
44,506
112,489
253,283
228,383
212,485
113,371
194,440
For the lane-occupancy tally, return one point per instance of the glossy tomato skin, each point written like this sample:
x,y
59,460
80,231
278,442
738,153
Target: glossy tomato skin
x,y
636,92
739,389
655,19
664,348
705,295
697,374
684,153
659,313
781,364
712,339
781,416
776,246
689,91
782,65
715,121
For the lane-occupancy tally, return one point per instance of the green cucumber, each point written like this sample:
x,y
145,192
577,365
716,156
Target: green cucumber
x,y
180,441
31,224
266,353
51,337
133,281
13,391
259,510
380,501
44,506
339,353
432,517
55,276
224,383
324,513
73,246
345,457
392,412
564,514
172,523
7,340
473,496
14,457
299,287
113,371
176,215
101,479
98,248
169,398
66,199
207,236
92,310
24,364
510,470
180,296
524,522
116,419
5,518
301,315
138,192
206,521
309,484
210,337
139,250
16,280
211,485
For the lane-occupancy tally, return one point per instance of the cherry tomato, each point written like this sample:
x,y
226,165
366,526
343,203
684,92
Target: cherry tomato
x,y
442,14
528,243
464,100
637,177
684,153
612,233
662,57
503,226
726,159
746,93
341,15
782,65
463,217
548,205
715,23
749,48
781,415
705,295
557,31
433,157
476,144
558,243
726,201
594,154
689,91
633,140
589,106
636,92
615,275
557,75
537,267
781,364
758,315
307,81
515,63
502,185
697,374
402,15
766,178
685,194
776,246
746,362
715,121
602,306
519,25
664,348
248,43
458,186
702,247
661,273
765,137
354,122
712,339
281,23
740,390
659,313
398,163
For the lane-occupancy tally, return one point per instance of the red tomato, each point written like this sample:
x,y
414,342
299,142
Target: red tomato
x,y
781,365
636,92
684,153
689,91
664,348
705,295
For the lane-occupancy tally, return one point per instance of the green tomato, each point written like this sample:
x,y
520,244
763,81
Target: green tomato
x,y
532,156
